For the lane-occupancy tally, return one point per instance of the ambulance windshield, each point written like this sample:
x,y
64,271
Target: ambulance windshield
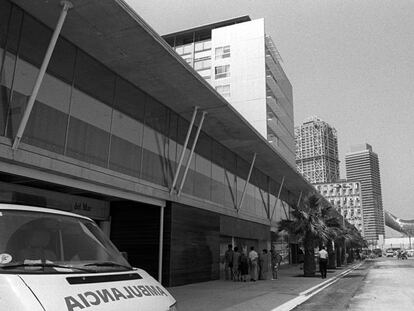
x,y
37,242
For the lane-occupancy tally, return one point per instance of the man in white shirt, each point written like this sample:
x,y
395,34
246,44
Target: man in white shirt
x,y
323,262
253,260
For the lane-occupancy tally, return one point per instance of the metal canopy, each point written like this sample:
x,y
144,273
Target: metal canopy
x,y
114,34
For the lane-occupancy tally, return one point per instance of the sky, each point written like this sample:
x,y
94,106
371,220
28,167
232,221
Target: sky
x,y
350,63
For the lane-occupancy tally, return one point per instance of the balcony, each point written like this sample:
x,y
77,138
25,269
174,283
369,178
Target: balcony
x,y
281,98
280,77
279,111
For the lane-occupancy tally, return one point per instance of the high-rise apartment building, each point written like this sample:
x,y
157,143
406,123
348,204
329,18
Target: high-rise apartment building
x,y
317,151
362,164
345,196
242,63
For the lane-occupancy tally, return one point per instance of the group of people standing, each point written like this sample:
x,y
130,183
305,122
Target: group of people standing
x,y
243,266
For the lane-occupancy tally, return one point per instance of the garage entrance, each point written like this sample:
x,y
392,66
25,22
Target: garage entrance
x,y
135,229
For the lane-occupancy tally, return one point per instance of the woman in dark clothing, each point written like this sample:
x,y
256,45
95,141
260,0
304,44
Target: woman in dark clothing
x,y
244,266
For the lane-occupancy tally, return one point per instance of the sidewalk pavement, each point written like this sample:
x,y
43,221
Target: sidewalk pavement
x,y
239,296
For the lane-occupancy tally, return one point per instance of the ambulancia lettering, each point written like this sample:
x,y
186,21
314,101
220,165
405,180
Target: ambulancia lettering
x,y
96,297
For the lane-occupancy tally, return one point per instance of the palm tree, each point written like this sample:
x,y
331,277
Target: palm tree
x,y
335,230
353,239
309,226
345,235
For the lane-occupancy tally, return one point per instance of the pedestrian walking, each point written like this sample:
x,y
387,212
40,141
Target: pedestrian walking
x,y
244,266
323,262
253,263
276,259
228,263
236,264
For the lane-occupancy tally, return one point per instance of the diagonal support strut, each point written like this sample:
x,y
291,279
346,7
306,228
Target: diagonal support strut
x,y
247,181
190,157
278,197
187,138
39,79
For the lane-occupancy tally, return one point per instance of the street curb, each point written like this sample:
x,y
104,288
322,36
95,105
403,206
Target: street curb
x,y
305,295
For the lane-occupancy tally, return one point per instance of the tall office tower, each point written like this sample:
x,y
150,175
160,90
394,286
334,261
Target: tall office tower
x,y
317,151
345,196
242,63
362,165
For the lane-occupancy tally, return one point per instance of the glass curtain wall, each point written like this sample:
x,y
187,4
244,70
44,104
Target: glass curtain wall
x,y
86,112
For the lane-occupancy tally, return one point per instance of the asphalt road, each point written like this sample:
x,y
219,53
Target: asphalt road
x,y
381,284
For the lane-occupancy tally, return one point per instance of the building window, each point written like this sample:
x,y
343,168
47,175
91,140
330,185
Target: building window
x,y
202,63
223,52
184,49
179,50
187,49
222,71
203,45
224,90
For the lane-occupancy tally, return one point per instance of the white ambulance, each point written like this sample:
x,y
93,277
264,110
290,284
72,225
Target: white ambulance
x,y
54,261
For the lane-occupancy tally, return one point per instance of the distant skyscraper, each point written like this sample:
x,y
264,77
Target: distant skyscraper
x,y
242,63
317,151
362,165
345,196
